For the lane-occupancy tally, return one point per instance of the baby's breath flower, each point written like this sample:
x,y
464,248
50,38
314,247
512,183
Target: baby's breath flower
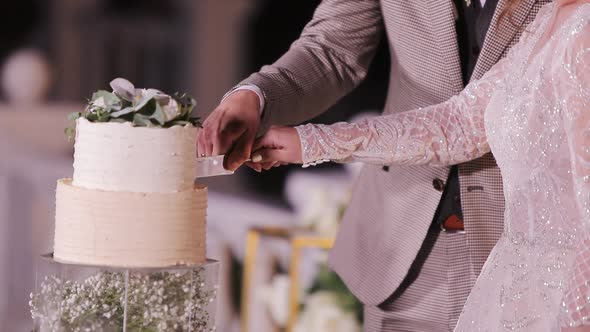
x,y
156,302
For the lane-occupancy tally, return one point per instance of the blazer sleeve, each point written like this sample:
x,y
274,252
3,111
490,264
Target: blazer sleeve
x,y
329,59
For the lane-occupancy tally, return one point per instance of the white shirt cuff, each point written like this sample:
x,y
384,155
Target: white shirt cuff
x,y
252,88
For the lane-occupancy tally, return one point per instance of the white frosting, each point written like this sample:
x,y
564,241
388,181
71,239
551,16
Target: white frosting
x,y
120,157
127,229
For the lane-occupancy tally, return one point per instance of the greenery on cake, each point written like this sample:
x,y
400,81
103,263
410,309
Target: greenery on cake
x,y
141,107
156,302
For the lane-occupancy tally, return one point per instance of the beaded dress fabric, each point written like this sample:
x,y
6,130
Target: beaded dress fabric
x,y
532,110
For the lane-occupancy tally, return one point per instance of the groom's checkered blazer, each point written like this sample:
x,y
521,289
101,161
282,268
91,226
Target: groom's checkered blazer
x,y
391,212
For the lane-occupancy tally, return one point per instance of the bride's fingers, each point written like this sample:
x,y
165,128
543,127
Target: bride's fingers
x,y
267,140
268,166
255,166
256,157
259,142
266,155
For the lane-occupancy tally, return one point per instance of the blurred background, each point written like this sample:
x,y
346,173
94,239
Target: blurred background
x,y
55,53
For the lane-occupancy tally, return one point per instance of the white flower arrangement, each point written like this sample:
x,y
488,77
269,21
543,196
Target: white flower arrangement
x,y
275,297
323,312
324,211
140,107
154,302
329,306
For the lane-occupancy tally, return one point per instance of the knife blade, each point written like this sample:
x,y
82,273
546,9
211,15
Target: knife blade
x,y
211,166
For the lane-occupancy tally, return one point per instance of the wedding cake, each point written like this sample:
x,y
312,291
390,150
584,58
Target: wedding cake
x,y
130,225
132,201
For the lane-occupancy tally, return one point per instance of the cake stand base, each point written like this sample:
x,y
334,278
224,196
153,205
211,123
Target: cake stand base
x,y
72,297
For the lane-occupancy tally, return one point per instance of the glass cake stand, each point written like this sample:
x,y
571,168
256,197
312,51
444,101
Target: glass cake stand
x,y
72,297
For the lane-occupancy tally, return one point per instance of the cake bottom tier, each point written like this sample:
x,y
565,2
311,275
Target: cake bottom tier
x,y
129,229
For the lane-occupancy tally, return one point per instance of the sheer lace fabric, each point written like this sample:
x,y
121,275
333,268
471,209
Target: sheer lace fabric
x,y
533,112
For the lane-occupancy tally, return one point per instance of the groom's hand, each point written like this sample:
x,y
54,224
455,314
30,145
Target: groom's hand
x,y
231,129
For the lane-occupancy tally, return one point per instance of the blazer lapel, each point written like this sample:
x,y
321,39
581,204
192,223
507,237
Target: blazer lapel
x,y
442,25
498,38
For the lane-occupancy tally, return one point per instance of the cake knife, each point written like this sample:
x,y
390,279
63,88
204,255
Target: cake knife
x,y
213,166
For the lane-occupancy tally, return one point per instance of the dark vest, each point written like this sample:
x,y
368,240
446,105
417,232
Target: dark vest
x,y
472,25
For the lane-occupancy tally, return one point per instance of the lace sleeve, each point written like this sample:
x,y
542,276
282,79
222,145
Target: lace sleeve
x,y
447,133
576,96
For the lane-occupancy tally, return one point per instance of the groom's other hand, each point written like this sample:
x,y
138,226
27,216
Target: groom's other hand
x,y
231,129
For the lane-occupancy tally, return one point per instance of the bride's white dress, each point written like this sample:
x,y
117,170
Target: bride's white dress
x,y
532,110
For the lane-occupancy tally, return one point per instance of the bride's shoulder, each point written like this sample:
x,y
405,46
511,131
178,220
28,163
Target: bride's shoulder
x,y
573,36
577,32
577,48
582,14
580,19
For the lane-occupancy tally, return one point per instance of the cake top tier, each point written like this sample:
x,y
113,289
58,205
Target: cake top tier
x,y
120,157
135,140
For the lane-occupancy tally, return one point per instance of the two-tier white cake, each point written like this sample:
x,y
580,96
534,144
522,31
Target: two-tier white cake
x,y
130,225
132,201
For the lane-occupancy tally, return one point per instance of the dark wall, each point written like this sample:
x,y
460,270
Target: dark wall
x,y
20,21
23,25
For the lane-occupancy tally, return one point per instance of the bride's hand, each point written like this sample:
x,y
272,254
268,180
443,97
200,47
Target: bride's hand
x,y
279,146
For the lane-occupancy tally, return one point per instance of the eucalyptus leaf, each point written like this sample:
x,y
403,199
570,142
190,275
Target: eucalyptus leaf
x,y
149,108
171,109
140,120
159,115
157,92
190,122
192,103
99,94
141,107
146,97
108,98
74,116
183,99
123,88
113,101
179,123
196,122
103,116
162,98
91,117
70,133
187,104
187,114
98,103
124,111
